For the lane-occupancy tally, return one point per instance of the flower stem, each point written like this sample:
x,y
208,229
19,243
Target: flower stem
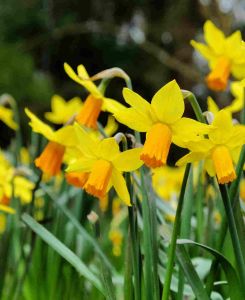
x,y
176,230
195,105
234,234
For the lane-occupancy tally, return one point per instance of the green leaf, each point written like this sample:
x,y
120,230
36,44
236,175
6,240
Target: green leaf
x,y
63,251
233,281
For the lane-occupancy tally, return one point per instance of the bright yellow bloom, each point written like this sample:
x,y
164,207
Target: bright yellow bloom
x,y
225,55
95,102
105,164
116,237
166,182
11,182
220,149
237,90
242,190
51,158
6,116
161,120
63,111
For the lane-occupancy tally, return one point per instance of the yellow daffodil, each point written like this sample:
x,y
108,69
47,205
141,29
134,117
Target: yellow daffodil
x,y
220,149
161,120
242,190
116,237
237,90
63,111
105,163
6,116
51,158
166,182
12,182
225,55
95,102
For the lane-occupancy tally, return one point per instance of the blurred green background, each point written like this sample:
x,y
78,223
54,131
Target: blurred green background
x,y
148,39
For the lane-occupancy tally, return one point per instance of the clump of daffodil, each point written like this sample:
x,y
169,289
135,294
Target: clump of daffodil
x,y
95,102
51,158
12,183
220,149
63,111
166,182
161,120
104,163
225,55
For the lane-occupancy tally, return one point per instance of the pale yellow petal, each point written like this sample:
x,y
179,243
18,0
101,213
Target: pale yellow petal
x,y
223,127
168,103
120,186
204,50
212,106
189,158
86,144
209,167
7,209
7,117
128,160
66,136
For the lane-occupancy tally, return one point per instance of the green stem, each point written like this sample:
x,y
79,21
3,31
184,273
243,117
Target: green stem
x,y
176,230
196,107
234,234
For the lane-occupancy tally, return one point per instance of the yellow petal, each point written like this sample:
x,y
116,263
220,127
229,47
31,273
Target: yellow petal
x,y
40,127
6,116
212,106
168,103
81,165
136,101
108,149
128,160
238,70
82,78
111,105
214,37
209,167
111,126
7,209
204,50
233,45
223,127
66,136
189,158
87,144
131,118
120,186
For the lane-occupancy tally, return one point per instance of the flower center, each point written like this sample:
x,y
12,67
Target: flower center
x,y
217,79
223,165
90,111
51,158
77,179
156,147
99,178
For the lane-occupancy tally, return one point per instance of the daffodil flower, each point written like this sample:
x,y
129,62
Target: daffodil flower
x,y
51,158
161,120
63,111
220,149
11,182
95,102
6,116
225,55
105,163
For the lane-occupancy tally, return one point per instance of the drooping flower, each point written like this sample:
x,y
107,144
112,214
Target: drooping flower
x,y
162,121
220,149
95,101
63,111
51,158
105,163
225,56
7,117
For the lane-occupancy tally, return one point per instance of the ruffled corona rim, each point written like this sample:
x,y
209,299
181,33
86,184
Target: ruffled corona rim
x,y
51,158
90,111
217,79
157,145
99,178
223,165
